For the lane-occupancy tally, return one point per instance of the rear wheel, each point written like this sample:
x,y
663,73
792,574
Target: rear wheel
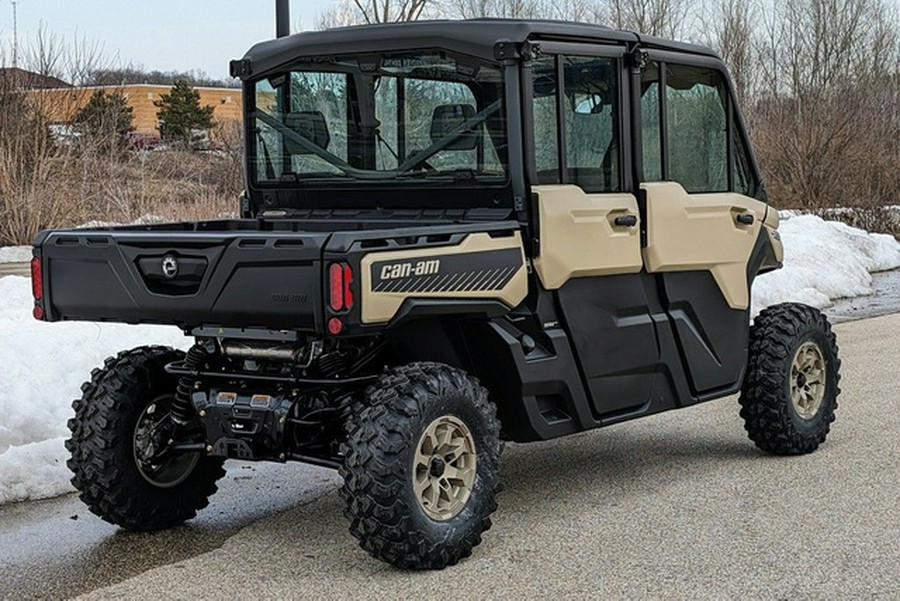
x,y
421,467
790,391
120,441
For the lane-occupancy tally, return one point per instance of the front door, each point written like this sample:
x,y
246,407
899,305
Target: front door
x,y
702,222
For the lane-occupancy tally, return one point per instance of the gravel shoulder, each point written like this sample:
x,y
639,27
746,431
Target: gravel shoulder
x,y
678,505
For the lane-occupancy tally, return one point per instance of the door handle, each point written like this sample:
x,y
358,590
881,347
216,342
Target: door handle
x,y
626,221
745,218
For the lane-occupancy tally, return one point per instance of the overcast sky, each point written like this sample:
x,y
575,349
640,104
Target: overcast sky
x,y
159,34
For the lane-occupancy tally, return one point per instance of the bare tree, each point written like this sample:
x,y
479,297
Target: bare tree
x,y
830,74
730,25
44,53
664,18
342,15
508,9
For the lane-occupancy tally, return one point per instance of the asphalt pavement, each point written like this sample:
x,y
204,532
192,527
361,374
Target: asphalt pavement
x,y
679,505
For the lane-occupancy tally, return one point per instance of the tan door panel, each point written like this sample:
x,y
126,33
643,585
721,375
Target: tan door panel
x,y
579,236
690,232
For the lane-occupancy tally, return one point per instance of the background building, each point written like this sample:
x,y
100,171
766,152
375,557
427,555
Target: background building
x,y
61,104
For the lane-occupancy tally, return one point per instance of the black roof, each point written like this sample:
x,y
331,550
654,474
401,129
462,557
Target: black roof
x,y
476,37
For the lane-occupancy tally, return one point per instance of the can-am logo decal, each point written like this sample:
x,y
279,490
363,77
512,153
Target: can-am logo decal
x,y
460,272
413,268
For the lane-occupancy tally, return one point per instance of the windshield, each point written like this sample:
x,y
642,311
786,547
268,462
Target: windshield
x,y
389,118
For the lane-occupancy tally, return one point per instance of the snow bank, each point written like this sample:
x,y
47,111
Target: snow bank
x,y
824,260
15,254
34,471
42,367
147,219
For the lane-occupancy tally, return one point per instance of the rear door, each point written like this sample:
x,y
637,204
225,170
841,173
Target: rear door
x,y
589,239
703,224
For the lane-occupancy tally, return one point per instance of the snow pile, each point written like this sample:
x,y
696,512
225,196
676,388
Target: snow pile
x,y
42,367
148,219
824,260
15,254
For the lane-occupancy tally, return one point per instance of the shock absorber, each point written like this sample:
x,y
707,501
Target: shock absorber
x,y
182,408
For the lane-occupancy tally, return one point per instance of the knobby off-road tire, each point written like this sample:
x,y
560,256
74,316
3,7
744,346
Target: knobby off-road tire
x,y
790,391
102,446
423,423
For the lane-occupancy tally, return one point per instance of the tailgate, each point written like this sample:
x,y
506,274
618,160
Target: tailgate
x,y
233,279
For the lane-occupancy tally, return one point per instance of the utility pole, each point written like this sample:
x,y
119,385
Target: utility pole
x,y
282,18
15,56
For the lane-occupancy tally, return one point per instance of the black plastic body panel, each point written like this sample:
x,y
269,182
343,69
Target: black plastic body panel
x,y
712,336
609,320
229,278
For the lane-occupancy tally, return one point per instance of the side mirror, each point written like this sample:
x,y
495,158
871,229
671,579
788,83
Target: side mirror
x,y
448,117
312,126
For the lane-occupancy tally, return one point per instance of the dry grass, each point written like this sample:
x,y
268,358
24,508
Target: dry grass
x,y
46,182
75,189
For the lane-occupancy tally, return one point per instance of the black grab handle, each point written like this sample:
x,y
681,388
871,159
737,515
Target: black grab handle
x,y
745,218
626,221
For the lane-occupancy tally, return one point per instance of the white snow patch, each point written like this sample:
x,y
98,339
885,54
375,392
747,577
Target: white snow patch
x,y
15,254
42,367
34,471
147,219
824,260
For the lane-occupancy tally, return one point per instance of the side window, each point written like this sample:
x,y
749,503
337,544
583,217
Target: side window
x,y
584,114
591,123
744,182
546,144
696,128
650,124
691,122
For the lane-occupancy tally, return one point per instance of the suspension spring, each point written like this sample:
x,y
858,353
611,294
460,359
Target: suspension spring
x,y
182,409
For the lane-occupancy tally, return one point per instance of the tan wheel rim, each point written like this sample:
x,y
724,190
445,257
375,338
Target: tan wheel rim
x,y
444,468
808,380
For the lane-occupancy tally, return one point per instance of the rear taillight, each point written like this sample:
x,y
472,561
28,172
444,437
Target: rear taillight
x,y
340,295
37,281
37,288
348,293
336,287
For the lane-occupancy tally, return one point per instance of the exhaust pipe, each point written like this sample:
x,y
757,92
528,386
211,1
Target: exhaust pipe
x,y
282,18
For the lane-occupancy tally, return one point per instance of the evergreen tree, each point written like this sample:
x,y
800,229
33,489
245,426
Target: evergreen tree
x,y
180,112
106,116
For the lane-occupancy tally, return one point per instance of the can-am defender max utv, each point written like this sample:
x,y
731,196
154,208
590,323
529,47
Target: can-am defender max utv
x,y
454,234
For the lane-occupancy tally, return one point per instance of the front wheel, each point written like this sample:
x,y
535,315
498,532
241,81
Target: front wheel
x,y
120,435
790,391
421,466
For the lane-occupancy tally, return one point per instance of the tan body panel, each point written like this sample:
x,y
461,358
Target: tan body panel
x,y
579,237
691,232
380,307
